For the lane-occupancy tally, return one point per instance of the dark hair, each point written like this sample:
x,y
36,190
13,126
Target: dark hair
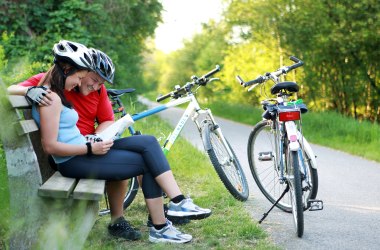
x,y
56,78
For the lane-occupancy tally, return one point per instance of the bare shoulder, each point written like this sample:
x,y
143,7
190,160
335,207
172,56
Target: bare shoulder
x,y
55,97
56,102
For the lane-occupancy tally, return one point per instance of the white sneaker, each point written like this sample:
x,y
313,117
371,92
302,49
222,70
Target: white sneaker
x,y
168,234
186,208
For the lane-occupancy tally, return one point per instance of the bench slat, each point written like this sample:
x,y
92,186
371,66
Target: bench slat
x,y
89,189
57,186
18,101
27,126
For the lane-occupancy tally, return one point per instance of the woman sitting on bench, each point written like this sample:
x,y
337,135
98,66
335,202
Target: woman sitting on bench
x,y
107,160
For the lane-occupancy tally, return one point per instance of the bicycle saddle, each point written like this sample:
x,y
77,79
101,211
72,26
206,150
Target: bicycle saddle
x,y
288,86
118,92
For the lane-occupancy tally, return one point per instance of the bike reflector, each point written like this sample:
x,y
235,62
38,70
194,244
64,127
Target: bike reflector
x,y
292,115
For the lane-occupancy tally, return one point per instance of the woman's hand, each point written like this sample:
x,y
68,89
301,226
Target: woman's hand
x,y
102,147
39,95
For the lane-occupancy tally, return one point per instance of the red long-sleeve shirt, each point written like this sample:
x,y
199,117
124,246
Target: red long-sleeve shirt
x,y
95,107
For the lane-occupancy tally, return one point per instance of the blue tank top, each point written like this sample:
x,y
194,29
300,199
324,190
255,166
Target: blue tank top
x,y
68,132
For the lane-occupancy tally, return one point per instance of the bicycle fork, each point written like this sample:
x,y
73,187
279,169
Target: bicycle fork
x,y
218,132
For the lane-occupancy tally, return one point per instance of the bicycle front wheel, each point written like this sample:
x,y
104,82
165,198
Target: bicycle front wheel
x,y
228,169
295,188
132,189
264,166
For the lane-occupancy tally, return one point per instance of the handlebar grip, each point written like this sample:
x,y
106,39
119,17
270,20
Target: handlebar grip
x,y
298,62
259,79
163,97
238,78
217,68
294,59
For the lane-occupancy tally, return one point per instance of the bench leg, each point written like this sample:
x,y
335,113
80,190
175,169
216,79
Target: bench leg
x,y
67,224
57,224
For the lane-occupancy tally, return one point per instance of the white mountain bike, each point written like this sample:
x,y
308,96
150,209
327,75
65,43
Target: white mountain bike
x,y
217,147
280,158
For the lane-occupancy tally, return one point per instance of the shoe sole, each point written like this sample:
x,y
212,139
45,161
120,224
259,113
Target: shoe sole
x,y
181,215
178,220
162,240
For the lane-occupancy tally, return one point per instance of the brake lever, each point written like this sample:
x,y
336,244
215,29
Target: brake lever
x,y
213,79
253,86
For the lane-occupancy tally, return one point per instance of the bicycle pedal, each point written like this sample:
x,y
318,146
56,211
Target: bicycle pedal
x,y
315,205
265,156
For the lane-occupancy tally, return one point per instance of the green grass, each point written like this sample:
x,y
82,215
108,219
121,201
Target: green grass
x,y
329,129
336,131
229,227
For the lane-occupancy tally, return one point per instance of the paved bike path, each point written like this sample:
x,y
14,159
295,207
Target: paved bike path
x,y
348,185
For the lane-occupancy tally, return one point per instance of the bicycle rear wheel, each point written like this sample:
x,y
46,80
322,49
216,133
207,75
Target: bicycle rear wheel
x,y
132,189
294,180
228,169
262,162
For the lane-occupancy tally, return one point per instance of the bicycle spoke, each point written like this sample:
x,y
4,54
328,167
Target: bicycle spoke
x,y
226,163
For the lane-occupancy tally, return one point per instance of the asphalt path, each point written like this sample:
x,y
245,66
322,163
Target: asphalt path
x,y
348,185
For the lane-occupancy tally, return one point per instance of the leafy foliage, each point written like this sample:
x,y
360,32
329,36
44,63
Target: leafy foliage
x,y
119,28
199,55
334,38
337,40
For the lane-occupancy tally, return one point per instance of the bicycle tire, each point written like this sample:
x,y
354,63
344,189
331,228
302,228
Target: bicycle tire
x,y
265,174
132,190
295,189
229,172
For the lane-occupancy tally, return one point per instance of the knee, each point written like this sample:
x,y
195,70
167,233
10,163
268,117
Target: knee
x,y
150,140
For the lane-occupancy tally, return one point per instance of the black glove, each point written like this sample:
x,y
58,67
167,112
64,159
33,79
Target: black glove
x,y
35,94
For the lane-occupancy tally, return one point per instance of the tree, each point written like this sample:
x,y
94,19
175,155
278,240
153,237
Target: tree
x,y
117,27
336,39
199,55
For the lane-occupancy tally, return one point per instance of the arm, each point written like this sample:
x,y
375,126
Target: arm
x,y
17,90
102,126
105,113
50,116
36,95
22,87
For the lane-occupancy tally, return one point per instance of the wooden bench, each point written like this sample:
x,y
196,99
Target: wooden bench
x,y
48,211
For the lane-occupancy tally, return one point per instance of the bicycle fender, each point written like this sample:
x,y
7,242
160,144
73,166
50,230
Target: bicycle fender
x,y
291,130
308,150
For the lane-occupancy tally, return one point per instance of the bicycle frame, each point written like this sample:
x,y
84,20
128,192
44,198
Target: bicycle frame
x,y
192,111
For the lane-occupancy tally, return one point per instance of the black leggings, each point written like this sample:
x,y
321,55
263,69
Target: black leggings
x,y
128,157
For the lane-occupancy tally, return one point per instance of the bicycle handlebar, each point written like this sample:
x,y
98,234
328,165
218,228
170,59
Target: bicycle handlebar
x,y
281,71
298,63
202,81
217,69
163,97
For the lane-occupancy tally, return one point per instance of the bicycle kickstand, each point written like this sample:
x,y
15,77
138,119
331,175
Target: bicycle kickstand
x,y
282,195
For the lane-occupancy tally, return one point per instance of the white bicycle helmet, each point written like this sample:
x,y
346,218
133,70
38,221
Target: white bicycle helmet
x,y
103,65
73,53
